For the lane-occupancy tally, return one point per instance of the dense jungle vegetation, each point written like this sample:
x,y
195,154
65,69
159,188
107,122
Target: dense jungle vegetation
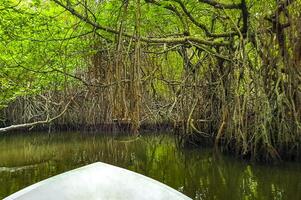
x,y
223,71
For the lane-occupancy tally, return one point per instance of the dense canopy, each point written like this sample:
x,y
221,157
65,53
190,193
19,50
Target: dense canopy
x,y
224,71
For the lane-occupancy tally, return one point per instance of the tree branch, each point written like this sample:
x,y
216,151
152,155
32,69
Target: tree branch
x,y
203,26
27,125
173,9
218,5
168,40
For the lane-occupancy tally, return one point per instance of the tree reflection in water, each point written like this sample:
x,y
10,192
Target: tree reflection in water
x,y
199,173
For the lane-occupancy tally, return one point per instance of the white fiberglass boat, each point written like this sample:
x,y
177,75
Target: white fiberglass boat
x,y
98,181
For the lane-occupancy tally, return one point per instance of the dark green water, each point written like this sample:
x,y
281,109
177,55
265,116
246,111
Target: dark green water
x,y
200,174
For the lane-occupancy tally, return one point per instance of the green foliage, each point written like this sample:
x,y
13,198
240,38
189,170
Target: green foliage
x,y
38,42
229,63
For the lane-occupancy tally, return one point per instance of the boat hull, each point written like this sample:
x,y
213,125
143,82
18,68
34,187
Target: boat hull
x,y
98,181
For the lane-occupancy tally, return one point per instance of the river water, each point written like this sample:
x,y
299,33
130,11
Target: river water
x,y
199,173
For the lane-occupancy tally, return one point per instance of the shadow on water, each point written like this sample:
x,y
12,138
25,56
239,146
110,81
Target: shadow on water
x,y
200,174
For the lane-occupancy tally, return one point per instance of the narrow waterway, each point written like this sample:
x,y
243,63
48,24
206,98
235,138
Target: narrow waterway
x,y
199,173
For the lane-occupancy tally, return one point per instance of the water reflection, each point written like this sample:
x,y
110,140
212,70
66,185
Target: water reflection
x,y
26,159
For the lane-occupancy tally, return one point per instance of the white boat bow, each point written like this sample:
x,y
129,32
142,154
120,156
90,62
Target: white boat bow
x,y
98,181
